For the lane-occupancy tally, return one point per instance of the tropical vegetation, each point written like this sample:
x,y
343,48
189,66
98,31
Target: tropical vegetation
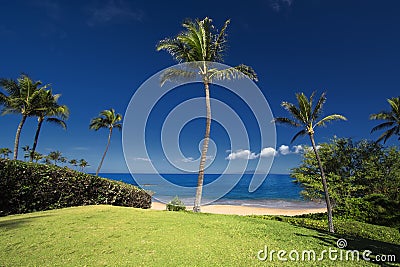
x,y
50,111
200,44
391,118
109,120
28,187
23,98
363,179
308,118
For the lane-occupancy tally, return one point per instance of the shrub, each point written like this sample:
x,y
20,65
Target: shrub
x,y
176,205
27,187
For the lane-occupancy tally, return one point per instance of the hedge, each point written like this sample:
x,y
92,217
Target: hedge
x,y
27,187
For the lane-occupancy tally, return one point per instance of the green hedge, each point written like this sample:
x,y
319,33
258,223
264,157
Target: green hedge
x,y
27,187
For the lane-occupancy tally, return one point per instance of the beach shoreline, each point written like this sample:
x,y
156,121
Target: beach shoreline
x,y
245,210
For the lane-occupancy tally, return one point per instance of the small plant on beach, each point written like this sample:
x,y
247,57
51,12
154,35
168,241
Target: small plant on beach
x,y
306,116
107,119
176,205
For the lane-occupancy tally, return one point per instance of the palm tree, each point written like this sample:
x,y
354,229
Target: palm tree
x,y
52,112
83,163
23,98
307,117
392,119
27,151
55,155
73,162
200,44
37,156
107,119
5,152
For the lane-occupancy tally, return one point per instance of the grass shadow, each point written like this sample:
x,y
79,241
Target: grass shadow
x,y
19,222
379,250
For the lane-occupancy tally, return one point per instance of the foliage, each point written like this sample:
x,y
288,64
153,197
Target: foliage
x,y
49,111
27,187
23,98
176,205
363,179
391,118
344,227
5,152
117,236
109,120
307,116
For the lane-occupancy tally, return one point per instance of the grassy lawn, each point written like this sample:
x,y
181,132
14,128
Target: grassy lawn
x,y
118,236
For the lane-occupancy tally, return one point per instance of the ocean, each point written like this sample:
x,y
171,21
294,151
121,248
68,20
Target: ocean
x,y
276,191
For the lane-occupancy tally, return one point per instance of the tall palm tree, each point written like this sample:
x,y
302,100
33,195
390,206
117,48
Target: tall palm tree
x,y
200,44
23,98
392,119
307,117
50,111
107,119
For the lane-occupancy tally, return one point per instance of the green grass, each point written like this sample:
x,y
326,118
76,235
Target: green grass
x,y
119,236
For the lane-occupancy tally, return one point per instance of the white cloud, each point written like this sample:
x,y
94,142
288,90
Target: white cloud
x,y
241,154
278,5
142,159
298,149
113,11
284,150
268,152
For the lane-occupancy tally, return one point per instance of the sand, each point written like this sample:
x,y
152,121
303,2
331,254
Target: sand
x,y
245,210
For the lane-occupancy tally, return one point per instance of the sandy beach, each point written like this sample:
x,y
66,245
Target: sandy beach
x,y
245,210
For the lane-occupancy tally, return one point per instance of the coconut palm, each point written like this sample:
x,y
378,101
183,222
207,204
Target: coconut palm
x,y
37,156
392,119
56,156
83,164
107,119
5,152
23,98
200,44
49,111
73,162
307,117
27,151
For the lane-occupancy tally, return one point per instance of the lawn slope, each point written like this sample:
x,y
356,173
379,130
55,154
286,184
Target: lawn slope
x,y
119,236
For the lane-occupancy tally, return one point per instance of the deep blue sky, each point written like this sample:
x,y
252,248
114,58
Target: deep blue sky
x,y
97,53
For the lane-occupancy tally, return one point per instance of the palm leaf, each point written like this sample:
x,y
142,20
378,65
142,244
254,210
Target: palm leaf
x,y
287,121
294,111
177,76
304,106
301,133
381,126
329,119
57,121
318,107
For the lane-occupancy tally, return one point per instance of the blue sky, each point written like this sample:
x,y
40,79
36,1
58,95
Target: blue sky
x,y
97,53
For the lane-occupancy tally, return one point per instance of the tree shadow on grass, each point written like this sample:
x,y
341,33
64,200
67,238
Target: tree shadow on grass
x,y
19,222
379,250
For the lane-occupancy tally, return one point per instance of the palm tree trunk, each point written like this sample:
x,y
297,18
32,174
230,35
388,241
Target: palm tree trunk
x,y
105,152
16,143
325,186
39,126
200,179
